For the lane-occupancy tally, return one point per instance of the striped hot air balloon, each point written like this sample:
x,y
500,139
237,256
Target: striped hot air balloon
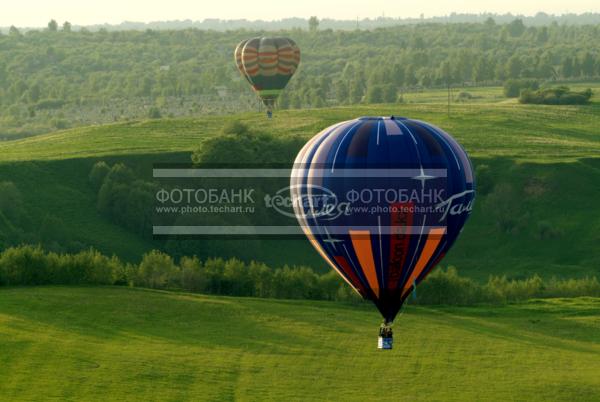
x,y
268,64
398,192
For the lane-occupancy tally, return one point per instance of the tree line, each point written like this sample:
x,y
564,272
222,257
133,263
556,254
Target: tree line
x,y
539,19
58,77
31,265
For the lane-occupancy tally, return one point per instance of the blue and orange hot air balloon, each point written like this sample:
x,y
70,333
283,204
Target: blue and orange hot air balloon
x,y
382,199
268,64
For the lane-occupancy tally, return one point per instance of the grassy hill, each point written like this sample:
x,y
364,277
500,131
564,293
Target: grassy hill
x,y
80,344
525,132
542,177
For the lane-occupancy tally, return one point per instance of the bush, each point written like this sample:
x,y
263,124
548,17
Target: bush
x,y
193,277
29,265
464,96
235,127
156,271
124,198
514,87
447,287
295,283
59,124
572,287
556,96
88,267
245,147
503,290
154,113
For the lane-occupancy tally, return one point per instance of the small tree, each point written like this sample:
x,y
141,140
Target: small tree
x,y
99,171
514,67
154,113
313,24
513,87
375,94
516,28
235,127
157,270
52,26
66,26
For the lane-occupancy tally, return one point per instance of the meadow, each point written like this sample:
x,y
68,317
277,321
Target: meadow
x,y
69,343
537,175
538,181
492,126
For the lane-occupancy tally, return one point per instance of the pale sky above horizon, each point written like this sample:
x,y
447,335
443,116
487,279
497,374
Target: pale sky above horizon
x,y
37,13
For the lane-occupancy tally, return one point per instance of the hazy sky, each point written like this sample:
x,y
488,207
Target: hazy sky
x,y
33,13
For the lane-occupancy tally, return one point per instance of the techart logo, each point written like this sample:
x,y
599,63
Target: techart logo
x,y
449,206
315,201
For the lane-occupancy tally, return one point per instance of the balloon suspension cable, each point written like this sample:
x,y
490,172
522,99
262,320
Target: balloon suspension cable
x,y
414,291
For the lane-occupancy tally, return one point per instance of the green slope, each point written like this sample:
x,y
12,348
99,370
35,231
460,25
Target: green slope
x,y
123,344
541,133
544,154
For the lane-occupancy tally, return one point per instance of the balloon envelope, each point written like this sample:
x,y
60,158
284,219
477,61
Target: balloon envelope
x,y
382,200
267,64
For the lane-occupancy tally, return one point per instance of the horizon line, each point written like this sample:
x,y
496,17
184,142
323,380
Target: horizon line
x,y
328,19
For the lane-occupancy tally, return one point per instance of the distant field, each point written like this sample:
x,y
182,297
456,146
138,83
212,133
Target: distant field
x,y
121,344
484,94
541,133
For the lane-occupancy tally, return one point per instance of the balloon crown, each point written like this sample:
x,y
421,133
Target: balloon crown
x,y
392,117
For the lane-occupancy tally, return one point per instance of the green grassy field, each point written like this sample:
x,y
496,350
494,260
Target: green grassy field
x,y
59,343
546,155
524,132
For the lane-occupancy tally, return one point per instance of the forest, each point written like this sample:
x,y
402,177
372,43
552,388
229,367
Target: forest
x,y
59,77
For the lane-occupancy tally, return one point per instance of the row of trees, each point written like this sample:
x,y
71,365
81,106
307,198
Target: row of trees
x,y
56,71
28,265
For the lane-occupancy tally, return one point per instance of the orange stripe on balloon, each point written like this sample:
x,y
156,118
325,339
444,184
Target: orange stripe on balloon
x,y
361,240
433,240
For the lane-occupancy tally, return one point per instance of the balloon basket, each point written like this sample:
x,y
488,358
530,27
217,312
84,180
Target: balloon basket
x,y
385,343
386,337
